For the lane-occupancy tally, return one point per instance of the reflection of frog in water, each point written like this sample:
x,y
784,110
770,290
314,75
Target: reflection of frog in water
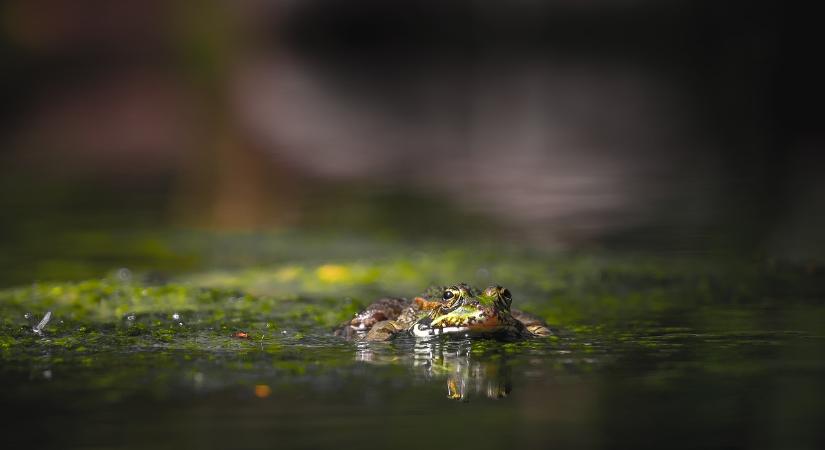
x,y
456,310
467,376
467,373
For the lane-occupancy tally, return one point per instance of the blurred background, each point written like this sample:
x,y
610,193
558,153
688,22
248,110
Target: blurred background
x,y
686,126
644,174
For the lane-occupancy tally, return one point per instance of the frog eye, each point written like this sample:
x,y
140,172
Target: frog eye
x,y
453,297
502,293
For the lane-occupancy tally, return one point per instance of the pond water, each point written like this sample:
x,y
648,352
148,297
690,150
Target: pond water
x,y
651,352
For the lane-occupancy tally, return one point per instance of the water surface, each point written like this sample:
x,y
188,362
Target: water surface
x,y
651,352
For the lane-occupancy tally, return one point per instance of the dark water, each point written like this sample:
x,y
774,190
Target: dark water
x,y
629,385
652,351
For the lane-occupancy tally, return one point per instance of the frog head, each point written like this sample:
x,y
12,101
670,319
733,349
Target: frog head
x,y
467,311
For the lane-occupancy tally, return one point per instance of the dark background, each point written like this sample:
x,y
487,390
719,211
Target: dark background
x,y
671,126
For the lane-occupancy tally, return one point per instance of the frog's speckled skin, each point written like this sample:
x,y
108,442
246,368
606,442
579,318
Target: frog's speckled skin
x,y
458,309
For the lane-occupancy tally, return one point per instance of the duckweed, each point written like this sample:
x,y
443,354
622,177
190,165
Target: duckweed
x,y
631,330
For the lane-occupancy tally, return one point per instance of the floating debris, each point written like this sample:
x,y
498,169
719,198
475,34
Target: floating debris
x,y
124,274
240,335
262,391
38,329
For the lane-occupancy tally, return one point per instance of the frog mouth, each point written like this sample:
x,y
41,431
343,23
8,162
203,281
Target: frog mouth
x,y
462,320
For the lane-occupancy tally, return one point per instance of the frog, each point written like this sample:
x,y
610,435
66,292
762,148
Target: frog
x,y
456,310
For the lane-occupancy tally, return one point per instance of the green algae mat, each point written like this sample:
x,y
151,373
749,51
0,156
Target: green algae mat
x,y
206,346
